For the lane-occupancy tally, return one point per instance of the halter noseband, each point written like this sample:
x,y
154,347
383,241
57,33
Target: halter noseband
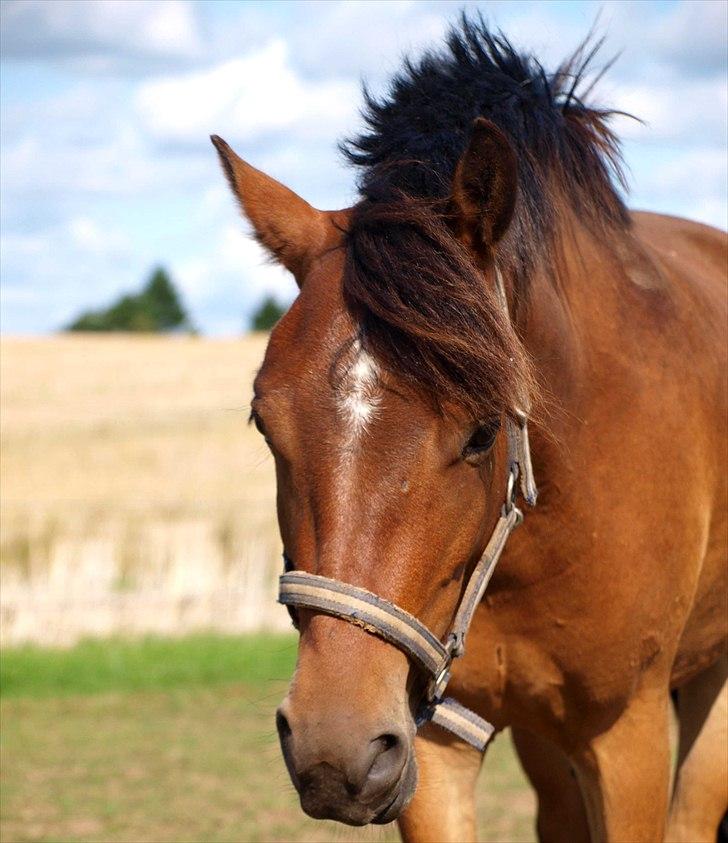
x,y
403,630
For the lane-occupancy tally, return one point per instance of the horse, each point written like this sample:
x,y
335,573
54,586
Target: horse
x,y
490,267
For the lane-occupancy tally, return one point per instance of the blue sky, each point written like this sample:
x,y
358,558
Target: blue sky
x,y
106,110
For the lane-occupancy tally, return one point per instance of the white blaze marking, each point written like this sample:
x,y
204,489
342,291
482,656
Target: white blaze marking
x,y
360,395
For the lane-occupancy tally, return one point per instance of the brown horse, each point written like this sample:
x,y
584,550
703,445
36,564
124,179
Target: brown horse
x,y
384,396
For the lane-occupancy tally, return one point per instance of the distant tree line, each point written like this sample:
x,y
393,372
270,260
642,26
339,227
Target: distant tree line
x,y
157,308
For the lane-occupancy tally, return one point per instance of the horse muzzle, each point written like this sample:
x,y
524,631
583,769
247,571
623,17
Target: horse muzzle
x,y
352,774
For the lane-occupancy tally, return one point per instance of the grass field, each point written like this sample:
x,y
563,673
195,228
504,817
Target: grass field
x,y
174,741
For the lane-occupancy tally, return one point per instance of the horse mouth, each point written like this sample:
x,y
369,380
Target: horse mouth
x,y
391,811
356,813
401,798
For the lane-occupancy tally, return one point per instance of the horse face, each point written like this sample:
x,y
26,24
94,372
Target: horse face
x,y
377,488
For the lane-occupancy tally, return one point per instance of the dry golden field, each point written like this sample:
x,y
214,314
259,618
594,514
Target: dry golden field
x,y
135,496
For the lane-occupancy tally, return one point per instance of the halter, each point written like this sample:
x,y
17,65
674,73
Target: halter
x,y
392,623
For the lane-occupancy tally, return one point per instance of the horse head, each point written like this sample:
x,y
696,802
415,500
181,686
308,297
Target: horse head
x,y
383,397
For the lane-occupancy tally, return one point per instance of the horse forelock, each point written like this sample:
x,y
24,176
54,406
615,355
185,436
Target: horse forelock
x,y
425,311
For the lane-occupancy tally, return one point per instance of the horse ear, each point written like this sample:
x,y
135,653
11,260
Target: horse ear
x,y
485,185
286,225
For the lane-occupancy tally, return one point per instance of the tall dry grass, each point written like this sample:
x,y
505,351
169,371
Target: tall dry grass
x,y
134,495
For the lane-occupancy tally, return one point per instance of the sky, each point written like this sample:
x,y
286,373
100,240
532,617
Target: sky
x,y
106,169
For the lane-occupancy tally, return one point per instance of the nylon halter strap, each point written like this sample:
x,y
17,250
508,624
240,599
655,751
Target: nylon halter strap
x,y
392,623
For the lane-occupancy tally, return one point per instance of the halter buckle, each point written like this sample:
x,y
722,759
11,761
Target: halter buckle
x,y
510,500
438,684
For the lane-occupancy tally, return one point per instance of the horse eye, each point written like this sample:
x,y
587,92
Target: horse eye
x,y
482,439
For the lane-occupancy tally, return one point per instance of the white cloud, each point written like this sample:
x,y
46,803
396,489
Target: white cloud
x,y
118,166
54,273
692,37
22,244
89,236
690,182
364,39
119,162
104,31
549,37
236,266
696,109
247,98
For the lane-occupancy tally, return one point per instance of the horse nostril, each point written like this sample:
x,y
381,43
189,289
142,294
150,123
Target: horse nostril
x,y
389,741
284,729
388,754
386,742
285,735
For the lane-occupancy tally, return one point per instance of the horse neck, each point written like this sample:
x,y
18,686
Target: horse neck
x,y
569,308
565,310
571,315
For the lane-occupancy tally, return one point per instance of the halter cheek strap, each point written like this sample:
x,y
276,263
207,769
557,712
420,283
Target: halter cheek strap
x,y
385,619
392,623
381,617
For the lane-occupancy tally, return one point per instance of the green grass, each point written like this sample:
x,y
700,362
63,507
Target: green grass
x,y
174,741
94,666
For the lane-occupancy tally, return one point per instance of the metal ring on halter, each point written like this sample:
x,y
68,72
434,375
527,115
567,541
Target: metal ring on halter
x,y
510,500
438,684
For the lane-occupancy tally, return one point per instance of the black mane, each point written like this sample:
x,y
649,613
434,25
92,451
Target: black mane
x,y
406,279
417,134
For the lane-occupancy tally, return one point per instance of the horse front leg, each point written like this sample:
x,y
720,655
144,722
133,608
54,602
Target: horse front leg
x,y
625,773
561,817
443,807
700,797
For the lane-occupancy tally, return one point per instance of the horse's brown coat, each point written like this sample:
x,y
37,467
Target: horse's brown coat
x,y
612,592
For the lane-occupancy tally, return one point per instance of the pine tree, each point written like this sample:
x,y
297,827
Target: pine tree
x,y
268,312
162,302
156,308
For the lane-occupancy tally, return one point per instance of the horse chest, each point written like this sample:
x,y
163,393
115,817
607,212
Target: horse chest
x,y
559,668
